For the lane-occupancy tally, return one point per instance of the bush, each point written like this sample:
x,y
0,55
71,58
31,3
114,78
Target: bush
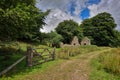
x,y
7,50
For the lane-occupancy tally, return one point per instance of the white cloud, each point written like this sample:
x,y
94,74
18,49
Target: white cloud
x,y
60,11
51,4
54,18
110,6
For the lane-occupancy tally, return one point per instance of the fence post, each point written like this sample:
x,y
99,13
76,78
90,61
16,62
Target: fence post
x,y
29,56
53,54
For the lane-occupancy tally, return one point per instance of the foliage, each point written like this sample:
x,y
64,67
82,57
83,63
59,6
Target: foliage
x,y
7,50
11,52
52,39
20,70
116,39
5,4
20,20
68,29
101,30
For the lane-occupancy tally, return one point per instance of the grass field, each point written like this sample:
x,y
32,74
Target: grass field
x,y
100,66
106,66
11,52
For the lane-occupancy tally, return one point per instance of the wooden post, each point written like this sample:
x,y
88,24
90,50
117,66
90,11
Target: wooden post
x,y
53,54
29,56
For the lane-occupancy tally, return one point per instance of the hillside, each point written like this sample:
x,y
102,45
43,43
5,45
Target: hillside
x,y
75,67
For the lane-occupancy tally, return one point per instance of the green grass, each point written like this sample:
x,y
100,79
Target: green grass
x,y
111,61
106,66
33,70
10,52
20,71
67,52
7,60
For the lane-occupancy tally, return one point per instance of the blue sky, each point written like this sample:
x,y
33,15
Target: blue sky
x,y
85,13
94,2
71,8
78,10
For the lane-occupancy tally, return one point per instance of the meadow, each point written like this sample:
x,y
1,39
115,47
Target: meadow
x,y
106,66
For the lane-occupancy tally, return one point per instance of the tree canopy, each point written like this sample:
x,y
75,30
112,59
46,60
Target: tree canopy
x,y
20,20
68,29
5,4
101,29
54,38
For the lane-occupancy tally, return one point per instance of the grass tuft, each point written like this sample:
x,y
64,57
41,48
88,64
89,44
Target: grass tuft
x,y
106,66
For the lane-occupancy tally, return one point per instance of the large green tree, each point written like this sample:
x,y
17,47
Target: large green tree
x,y
68,29
101,29
20,20
5,4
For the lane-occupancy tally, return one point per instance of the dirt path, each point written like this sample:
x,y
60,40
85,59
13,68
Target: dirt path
x,y
74,69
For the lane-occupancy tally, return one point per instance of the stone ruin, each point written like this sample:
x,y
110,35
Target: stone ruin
x,y
75,42
64,45
85,41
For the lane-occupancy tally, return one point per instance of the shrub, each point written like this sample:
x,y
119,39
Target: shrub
x,y
7,50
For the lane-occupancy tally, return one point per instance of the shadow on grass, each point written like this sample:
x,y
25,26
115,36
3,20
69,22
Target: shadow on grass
x,y
20,68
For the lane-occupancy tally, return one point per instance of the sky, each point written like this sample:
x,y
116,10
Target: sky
x,y
78,10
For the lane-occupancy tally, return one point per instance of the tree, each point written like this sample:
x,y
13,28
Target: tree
x,y
101,29
116,39
5,4
20,20
68,29
52,39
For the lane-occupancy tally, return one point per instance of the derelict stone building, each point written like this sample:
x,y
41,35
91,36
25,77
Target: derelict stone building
x,y
75,41
85,41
